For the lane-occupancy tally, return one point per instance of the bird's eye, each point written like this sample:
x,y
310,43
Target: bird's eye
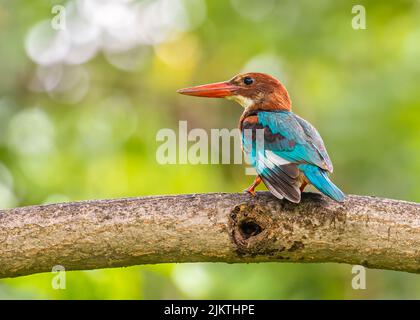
x,y
248,81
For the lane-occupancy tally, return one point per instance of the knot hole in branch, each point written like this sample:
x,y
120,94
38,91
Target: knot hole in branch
x,y
249,228
247,225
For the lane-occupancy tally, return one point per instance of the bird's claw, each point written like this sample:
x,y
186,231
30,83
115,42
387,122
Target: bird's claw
x,y
251,192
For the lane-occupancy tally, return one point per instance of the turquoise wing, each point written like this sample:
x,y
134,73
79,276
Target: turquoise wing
x,y
279,175
280,145
304,143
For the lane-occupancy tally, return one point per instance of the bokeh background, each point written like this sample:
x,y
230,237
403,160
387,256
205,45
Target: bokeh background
x,y
80,109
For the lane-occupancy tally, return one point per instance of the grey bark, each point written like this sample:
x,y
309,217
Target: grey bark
x,y
374,232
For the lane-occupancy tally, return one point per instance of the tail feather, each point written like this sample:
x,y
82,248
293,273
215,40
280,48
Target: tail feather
x,y
281,189
319,178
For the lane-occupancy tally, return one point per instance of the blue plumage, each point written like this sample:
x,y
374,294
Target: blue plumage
x,y
319,178
292,153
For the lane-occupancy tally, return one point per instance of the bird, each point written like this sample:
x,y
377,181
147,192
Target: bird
x,y
286,151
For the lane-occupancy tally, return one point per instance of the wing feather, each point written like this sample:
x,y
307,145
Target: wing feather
x,y
289,142
301,144
278,174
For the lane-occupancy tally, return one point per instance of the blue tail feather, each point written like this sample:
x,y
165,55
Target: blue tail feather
x,y
319,178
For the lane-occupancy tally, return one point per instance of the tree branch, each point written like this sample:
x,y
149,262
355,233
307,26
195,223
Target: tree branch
x,y
374,232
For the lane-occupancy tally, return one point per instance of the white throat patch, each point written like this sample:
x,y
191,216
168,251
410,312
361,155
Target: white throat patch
x,y
243,101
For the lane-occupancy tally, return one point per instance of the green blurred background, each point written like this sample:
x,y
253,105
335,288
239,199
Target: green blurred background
x,y
80,109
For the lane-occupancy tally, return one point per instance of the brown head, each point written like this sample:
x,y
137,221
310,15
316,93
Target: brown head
x,y
253,91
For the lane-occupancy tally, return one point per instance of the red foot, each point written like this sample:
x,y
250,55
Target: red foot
x,y
303,185
251,189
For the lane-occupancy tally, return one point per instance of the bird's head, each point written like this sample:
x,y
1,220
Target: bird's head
x,y
253,90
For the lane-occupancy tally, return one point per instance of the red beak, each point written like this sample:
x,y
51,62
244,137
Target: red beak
x,y
213,90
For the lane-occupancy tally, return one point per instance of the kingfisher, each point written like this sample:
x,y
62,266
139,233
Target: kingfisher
x,y
286,151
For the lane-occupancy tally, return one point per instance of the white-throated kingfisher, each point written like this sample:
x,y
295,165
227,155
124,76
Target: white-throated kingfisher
x,y
292,154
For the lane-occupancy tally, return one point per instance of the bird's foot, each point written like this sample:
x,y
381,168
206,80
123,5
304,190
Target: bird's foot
x,y
302,186
251,191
